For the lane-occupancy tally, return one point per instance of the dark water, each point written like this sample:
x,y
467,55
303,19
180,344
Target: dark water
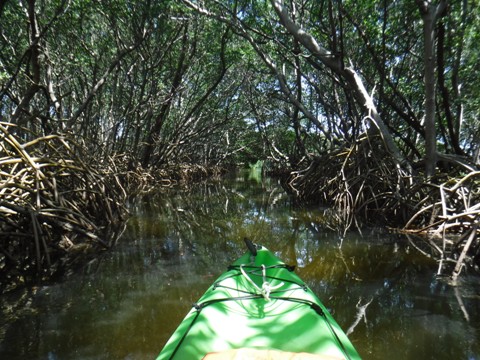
x,y
126,304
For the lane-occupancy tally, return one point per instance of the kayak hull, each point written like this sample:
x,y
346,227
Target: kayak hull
x,y
259,303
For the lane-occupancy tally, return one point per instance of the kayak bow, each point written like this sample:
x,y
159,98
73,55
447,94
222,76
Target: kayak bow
x,y
258,304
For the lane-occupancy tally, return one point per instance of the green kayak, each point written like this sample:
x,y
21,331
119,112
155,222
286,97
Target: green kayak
x,y
258,304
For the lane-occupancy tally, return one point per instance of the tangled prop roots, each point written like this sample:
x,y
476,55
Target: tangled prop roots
x,y
360,182
54,206
363,183
449,217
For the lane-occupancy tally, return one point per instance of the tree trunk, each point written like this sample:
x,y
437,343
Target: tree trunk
x,y
99,84
429,79
154,132
34,77
348,74
430,13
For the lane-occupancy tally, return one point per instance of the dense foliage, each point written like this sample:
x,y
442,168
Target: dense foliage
x,y
199,81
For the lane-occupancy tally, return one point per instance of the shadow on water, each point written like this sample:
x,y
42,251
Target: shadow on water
x,y
125,305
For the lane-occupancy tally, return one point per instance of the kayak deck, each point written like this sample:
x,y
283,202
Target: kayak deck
x,y
259,303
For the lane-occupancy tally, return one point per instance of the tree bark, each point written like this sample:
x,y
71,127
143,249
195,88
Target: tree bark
x,y
429,78
430,13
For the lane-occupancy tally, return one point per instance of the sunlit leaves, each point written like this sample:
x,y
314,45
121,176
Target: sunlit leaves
x,y
381,40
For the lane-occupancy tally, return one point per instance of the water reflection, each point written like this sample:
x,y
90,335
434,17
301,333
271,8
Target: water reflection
x,y
126,304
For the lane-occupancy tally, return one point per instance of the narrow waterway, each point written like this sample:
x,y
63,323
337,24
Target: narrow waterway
x,y
127,303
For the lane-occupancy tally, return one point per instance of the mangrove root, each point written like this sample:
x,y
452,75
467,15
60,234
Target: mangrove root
x,y
54,202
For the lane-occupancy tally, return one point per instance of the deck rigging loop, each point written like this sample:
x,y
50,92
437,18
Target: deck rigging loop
x,y
266,288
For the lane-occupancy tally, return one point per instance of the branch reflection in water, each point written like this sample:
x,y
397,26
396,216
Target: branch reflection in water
x,y
126,304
